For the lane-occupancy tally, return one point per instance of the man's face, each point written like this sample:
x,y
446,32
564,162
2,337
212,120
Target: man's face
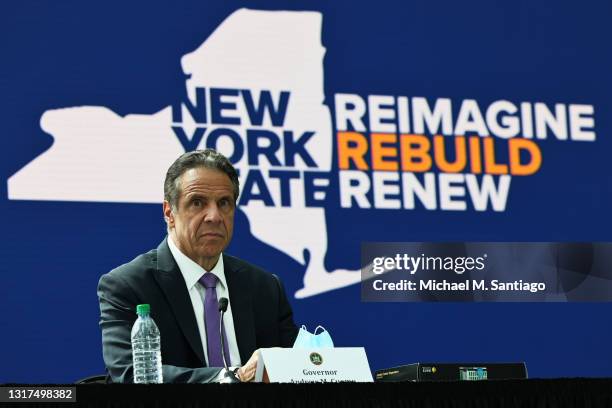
x,y
203,222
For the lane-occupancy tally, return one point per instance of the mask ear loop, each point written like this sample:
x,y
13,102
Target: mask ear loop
x,y
304,327
319,327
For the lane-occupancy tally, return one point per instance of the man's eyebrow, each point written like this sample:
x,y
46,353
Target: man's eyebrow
x,y
194,195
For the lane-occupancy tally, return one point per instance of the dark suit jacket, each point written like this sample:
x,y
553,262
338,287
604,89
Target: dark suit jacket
x,y
262,315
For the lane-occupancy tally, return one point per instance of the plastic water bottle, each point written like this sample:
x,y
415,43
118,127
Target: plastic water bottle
x,y
146,348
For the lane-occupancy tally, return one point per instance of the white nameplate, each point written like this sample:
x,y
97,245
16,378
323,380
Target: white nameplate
x,y
278,365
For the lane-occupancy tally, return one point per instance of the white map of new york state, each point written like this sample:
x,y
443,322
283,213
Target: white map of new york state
x,y
100,156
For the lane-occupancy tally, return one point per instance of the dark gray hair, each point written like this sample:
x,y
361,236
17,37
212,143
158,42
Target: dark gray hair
x,y
209,159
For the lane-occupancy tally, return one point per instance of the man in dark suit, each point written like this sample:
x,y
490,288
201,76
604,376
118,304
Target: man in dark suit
x,y
185,276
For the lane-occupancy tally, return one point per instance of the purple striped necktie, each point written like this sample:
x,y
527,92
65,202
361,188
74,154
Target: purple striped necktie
x,y
212,318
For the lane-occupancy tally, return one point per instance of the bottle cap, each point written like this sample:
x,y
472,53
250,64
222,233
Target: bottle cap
x,y
143,309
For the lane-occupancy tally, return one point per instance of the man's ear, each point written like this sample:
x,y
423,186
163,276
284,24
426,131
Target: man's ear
x,y
168,215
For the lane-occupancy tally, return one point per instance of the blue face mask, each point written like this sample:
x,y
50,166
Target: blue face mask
x,y
307,340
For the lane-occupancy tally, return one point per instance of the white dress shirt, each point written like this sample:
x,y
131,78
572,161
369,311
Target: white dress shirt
x,y
192,272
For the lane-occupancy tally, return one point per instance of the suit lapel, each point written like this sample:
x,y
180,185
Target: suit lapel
x,y
241,302
170,279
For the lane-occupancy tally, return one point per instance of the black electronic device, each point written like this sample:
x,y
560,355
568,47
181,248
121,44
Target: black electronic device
x,y
452,372
227,375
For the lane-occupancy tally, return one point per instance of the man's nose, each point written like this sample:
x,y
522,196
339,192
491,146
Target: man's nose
x,y
213,214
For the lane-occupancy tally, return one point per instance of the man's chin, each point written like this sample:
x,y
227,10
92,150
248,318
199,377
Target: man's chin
x,y
211,253
207,259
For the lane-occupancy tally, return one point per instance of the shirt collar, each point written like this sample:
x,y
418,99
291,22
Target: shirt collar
x,y
191,271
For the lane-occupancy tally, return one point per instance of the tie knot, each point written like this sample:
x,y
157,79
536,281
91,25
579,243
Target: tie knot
x,y
209,280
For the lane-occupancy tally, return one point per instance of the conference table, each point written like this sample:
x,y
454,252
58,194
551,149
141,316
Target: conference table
x,y
537,393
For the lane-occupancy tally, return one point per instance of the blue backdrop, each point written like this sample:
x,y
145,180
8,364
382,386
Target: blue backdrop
x,y
126,57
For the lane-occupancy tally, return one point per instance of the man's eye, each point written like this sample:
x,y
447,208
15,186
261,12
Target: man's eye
x,y
224,203
197,202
